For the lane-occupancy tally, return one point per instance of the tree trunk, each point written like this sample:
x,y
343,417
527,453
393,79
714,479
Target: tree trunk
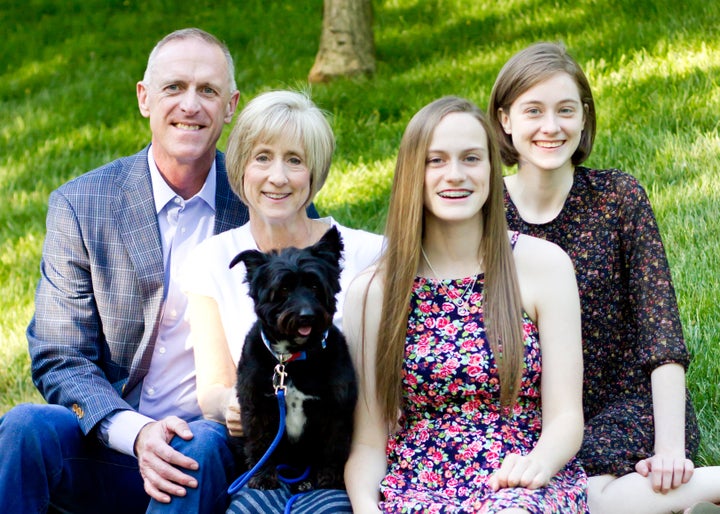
x,y
347,46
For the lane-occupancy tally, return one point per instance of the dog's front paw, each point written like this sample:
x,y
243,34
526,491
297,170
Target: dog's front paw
x,y
264,482
302,487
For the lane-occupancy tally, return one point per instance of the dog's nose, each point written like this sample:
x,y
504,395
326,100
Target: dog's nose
x,y
306,319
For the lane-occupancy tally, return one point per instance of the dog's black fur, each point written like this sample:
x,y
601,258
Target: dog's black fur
x,y
294,293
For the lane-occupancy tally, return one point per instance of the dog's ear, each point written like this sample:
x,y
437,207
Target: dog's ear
x,y
251,258
330,246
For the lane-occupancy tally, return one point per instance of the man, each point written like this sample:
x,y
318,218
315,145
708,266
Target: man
x,y
108,339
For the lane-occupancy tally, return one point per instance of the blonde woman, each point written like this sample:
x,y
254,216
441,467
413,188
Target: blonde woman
x,y
278,157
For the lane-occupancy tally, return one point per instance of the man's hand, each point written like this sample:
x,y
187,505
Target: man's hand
x,y
666,472
159,463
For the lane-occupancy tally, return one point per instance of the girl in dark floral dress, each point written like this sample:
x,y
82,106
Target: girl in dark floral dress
x,y
640,427
472,334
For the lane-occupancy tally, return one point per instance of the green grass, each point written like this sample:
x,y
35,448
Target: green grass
x,y
67,97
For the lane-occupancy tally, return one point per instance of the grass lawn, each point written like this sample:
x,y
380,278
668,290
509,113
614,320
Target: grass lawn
x,y
67,93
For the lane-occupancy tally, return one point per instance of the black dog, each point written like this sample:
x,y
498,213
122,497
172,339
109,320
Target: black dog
x,y
294,293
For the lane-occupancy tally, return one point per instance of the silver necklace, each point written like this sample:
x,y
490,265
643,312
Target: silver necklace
x,y
460,301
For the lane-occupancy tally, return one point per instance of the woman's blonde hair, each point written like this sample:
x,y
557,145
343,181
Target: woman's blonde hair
x,y
281,114
399,264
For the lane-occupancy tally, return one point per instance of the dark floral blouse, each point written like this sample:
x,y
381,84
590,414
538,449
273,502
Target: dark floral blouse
x,y
630,320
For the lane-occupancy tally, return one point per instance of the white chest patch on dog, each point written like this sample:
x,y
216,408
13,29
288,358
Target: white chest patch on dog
x,y
281,347
295,414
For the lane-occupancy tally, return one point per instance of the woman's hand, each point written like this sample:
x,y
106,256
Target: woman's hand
x,y
232,416
668,468
520,471
666,471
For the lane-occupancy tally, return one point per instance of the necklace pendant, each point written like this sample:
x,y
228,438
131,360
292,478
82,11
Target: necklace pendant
x,y
462,301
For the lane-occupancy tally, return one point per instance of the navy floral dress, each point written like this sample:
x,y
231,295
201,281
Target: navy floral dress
x,y
454,432
630,320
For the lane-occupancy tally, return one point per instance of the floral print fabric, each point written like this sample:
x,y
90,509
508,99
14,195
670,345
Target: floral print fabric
x,y
630,320
453,432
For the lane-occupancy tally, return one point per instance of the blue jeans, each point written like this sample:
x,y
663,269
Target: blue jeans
x,y
45,460
210,447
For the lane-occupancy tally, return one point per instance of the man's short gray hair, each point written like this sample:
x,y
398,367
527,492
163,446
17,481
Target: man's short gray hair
x,y
192,33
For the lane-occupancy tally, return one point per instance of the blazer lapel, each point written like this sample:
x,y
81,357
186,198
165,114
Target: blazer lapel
x,y
138,227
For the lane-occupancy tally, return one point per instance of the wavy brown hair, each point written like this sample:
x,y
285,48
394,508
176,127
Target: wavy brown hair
x,y
399,264
524,70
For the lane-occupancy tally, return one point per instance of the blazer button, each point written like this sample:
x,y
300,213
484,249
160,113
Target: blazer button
x,y
78,411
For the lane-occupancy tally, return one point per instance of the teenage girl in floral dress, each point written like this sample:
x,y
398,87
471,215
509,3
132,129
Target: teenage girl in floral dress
x,y
471,334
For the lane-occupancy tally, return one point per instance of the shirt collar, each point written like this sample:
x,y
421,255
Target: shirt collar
x,y
163,193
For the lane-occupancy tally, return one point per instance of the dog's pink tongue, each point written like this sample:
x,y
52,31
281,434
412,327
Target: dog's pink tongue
x,y
304,331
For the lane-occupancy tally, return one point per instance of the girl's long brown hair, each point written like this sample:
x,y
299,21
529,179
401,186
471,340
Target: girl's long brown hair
x,y
399,263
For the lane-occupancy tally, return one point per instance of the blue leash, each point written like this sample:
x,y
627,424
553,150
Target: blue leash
x,y
290,481
242,480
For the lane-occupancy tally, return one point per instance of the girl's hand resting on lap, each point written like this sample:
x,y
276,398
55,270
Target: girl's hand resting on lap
x,y
519,471
666,471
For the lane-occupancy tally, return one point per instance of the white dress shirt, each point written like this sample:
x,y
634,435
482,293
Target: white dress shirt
x,y
169,387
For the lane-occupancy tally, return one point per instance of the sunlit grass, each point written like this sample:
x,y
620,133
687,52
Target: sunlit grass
x,y
67,94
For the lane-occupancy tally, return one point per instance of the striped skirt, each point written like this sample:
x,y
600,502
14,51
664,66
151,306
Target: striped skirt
x,y
320,501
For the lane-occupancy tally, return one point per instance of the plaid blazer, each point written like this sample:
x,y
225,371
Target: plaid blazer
x,y
99,299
